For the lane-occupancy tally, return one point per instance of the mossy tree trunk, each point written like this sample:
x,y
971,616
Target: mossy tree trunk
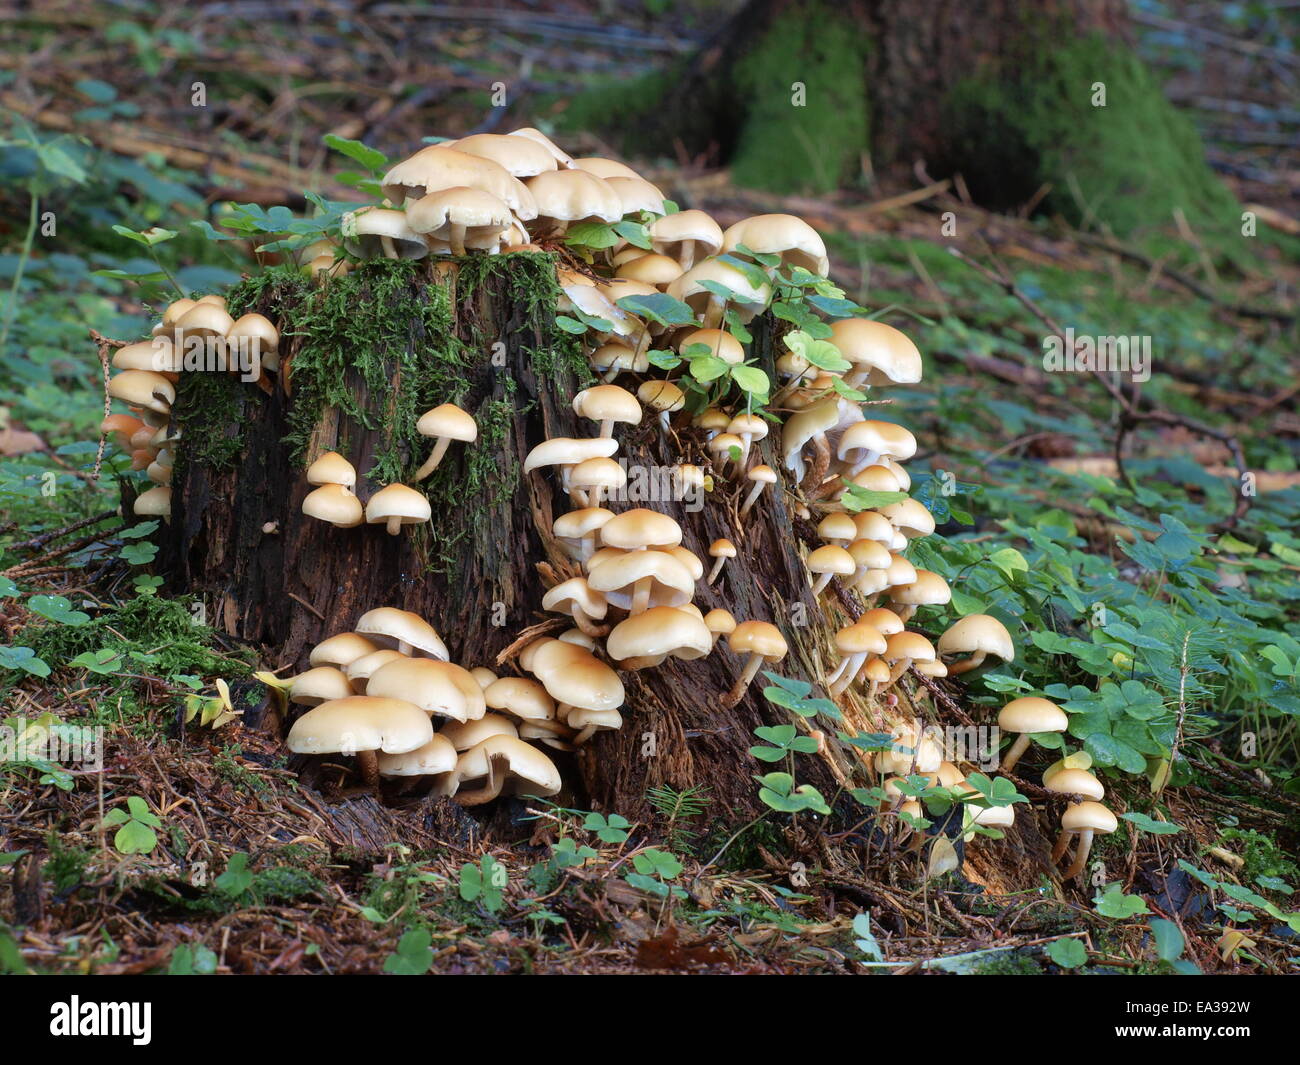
x,y
367,355
814,95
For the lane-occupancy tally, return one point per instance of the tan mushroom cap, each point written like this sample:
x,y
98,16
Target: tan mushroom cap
x,y
928,589
574,195
440,688
528,770
780,234
670,233
435,168
869,554
671,583
720,622
1029,713
641,527
562,157
873,526
459,214
396,505
615,358
360,670
332,468
813,420
258,330
721,344
837,526
341,649
435,757
881,354
447,420
463,735
748,298
158,355
978,633
860,638
360,723
908,645
335,504
910,517
652,269
523,697
722,548
569,451
658,632
1089,816
582,680
205,319
830,558
879,478
374,232
388,626
875,438
635,194
662,396
597,473
762,474
605,168
573,595
156,502
758,637
143,388
607,403
519,156
575,524
1075,782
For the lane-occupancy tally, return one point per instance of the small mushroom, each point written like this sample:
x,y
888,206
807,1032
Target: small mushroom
x,y
903,649
362,726
720,550
720,623
829,561
759,478
662,397
928,589
978,635
1026,716
332,468
440,689
1084,820
402,631
607,404
763,643
503,763
855,642
396,505
444,424
575,598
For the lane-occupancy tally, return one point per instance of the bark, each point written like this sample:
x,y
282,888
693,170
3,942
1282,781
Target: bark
x,y
287,589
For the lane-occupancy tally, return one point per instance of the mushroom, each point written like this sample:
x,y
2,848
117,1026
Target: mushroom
x,y
503,763
463,735
1026,716
837,528
580,528
1078,782
759,477
143,388
809,424
519,156
607,404
318,685
784,235
880,354
829,561
332,468
904,648
335,504
663,397
749,427
698,289
876,673
928,589
566,452
402,631
156,502
360,670
589,479
562,158
588,722
460,214
611,359
719,622
910,517
640,579
361,725
576,598
855,642
641,528
864,443
567,196
763,643
396,505
444,424
436,168
440,689
1084,820
686,235
720,550
256,336
978,635
646,639
341,649
653,269
378,231
436,757
573,676
871,563
605,168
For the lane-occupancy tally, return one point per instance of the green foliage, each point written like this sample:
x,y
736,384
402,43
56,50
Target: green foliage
x,y
135,826
196,960
484,883
414,954
1067,953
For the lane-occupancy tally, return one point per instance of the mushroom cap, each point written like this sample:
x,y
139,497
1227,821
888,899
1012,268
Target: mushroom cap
x,y
722,344
722,548
1075,782
635,194
569,451
762,473
572,595
388,626
562,157
831,559
341,649
447,420
869,553
435,168
143,388
518,156
398,501
928,589
758,637
205,319
174,310
532,772
1030,714
802,426
753,426
335,504
478,211
436,756
979,632
573,195
573,675
780,234
652,268
332,468
1089,817
908,645
720,622
576,524
877,436
159,355
994,816
258,329
436,687
360,723
641,527
360,670
837,526
900,569
661,396
672,583
465,734
607,403
661,630
910,517
669,232
319,684
890,354
878,478
860,638
876,670
156,502
605,168
749,299
364,231
873,526
598,473
620,356
523,697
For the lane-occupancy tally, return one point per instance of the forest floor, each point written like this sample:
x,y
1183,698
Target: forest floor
x,y
231,865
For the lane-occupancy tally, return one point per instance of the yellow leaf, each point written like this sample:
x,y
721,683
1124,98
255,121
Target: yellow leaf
x,y
943,857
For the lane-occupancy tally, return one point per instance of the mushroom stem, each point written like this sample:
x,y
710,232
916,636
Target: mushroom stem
x,y
974,662
607,427
742,682
586,624
900,667
717,568
1062,845
822,580
394,525
583,736
1080,854
687,255
641,594
713,313
390,249
435,456
1014,752
368,764
905,612
404,648
752,498
489,791
847,671
456,238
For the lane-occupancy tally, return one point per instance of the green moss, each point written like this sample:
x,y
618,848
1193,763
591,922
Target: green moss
x,y
217,397
1030,121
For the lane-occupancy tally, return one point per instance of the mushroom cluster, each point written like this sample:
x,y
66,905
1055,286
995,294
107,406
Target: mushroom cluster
x,y
387,693
192,336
